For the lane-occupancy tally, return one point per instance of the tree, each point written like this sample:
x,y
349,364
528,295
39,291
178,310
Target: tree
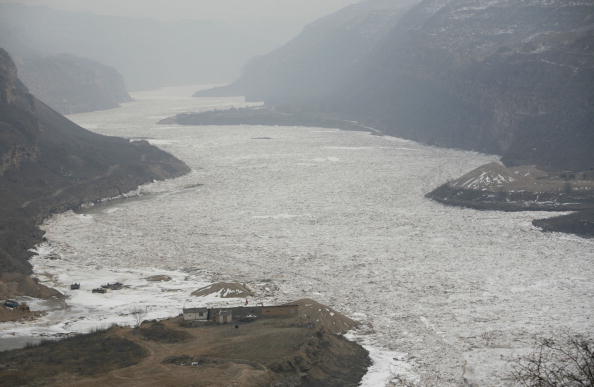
x,y
566,361
138,313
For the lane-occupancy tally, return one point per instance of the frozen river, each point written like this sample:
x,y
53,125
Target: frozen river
x,y
333,215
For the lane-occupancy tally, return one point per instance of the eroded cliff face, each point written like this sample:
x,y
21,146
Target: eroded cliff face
x,y
71,84
500,76
8,80
16,156
49,164
18,129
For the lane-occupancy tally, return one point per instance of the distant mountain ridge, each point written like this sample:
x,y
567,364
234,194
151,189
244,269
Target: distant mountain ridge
x,y
70,84
510,77
148,53
48,164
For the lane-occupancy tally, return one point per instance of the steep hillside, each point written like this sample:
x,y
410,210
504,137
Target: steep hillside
x,y
49,164
501,76
70,84
320,59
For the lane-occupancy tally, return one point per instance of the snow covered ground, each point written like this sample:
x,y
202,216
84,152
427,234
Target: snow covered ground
x,y
445,294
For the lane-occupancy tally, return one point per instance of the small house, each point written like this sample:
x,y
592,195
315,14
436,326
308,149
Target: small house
x,y
195,314
224,316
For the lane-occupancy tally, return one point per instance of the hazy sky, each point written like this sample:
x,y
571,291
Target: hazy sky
x,y
295,11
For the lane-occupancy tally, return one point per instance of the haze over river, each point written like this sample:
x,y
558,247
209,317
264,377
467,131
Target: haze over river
x,y
340,217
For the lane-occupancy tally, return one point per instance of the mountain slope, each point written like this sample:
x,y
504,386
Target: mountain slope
x,y
321,58
49,164
70,84
500,76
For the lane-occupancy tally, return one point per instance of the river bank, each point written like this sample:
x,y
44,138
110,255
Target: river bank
x,y
268,351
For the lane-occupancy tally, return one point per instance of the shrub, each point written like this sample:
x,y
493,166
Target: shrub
x,y
566,361
160,333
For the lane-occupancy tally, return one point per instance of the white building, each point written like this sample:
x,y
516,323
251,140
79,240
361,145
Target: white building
x,y
195,314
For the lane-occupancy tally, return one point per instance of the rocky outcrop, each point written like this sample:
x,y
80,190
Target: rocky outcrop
x,y
69,84
526,188
323,360
499,76
49,165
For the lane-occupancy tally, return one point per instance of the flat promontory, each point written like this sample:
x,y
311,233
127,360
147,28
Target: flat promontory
x,y
271,116
298,350
526,188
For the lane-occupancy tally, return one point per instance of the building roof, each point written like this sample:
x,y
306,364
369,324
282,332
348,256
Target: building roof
x,y
195,310
283,306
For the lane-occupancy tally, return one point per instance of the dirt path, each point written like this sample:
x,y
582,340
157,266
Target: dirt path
x,y
151,371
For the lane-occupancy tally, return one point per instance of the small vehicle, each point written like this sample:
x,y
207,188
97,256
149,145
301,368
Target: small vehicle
x,y
249,318
75,286
11,304
99,290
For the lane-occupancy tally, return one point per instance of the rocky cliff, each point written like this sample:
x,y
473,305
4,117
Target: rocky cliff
x,y
500,76
508,77
321,59
49,164
70,84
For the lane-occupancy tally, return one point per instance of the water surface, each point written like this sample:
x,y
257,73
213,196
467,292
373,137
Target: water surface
x,y
340,217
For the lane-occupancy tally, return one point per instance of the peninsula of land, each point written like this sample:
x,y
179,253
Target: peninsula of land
x,y
526,188
301,349
265,116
